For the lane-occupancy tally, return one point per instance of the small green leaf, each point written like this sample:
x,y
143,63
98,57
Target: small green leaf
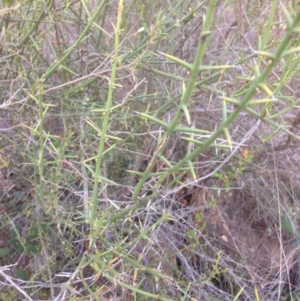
x,y
191,233
21,275
4,252
286,224
56,143
30,248
218,175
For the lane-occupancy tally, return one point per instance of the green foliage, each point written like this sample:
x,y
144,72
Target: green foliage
x,y
4,252
22,275
27,244
107,109
288,225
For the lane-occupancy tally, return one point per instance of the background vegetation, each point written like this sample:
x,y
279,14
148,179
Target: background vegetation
x,y
149,150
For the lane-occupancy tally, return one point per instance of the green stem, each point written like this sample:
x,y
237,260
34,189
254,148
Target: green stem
x,y
80,39
99,158
259,80
184,100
